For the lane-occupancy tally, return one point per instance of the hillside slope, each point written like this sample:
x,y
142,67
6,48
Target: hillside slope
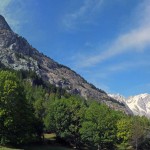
x,y
17,53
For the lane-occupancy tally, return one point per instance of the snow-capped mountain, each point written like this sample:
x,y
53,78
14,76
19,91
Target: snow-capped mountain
x,y
118,97
139,104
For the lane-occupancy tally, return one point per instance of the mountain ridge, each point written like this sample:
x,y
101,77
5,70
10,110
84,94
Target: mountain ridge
x,y
16,53
138,104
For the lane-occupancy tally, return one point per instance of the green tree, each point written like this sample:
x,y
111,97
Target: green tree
x,y
99,127
124,127
65,117
38,103
15,114
132,132
139,131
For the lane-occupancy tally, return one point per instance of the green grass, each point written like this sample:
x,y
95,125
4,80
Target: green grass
x,y
5,148
43,147
51,136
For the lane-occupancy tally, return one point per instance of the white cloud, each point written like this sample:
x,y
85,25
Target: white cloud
x,y
127,66
83,14
137,39
14,12
105,72
5,10
4,5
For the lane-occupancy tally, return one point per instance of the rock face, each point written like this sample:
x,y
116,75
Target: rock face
x,y
17,53
3,24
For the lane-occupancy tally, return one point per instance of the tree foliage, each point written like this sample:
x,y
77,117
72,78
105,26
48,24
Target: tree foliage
x,y
64,118
99,126
29,107
15,113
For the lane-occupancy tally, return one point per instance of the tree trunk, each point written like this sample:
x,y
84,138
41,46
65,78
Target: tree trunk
x,y
136,144
98,147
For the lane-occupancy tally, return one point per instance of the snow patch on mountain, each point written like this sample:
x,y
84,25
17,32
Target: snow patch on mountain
x,y
138,104
118,97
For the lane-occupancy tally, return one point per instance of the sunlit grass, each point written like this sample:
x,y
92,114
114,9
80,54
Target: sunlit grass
x,y
5,148
51,136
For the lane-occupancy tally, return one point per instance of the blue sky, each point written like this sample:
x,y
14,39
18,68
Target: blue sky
x,y
106,42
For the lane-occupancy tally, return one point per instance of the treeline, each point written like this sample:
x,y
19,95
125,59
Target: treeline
x,y
30,107
94,125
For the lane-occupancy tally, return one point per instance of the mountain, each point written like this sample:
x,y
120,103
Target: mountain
x,y
16,53
118,97
139,104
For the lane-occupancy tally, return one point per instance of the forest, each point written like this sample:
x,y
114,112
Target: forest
x,y
30,107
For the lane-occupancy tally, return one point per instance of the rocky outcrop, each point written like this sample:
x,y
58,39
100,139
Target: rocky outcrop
x,y
17,53
3,24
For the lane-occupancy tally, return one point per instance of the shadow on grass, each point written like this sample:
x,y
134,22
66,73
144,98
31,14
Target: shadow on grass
x,y
49,144
46,147
38,147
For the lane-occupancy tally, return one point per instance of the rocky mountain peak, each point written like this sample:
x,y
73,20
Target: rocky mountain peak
x,y
138,104
3,24
16,53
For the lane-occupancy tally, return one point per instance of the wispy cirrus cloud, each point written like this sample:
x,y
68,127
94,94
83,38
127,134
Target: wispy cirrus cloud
x,y
83,14
101,79
135,40
126,65
115,68
14,12
5,10
4,5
